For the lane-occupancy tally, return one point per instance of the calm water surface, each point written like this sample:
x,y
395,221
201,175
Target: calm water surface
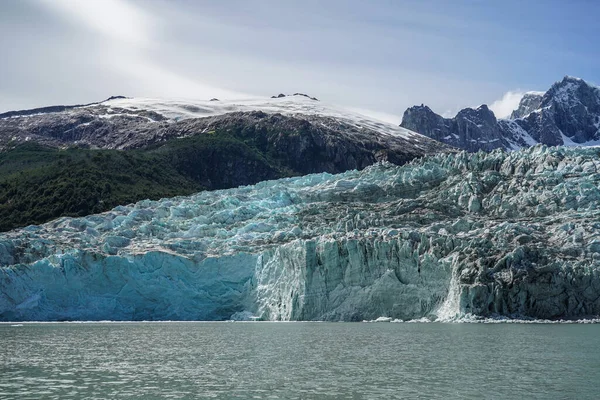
x,y
299,360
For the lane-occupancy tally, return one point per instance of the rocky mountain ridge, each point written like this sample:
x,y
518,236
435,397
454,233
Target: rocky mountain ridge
x,y
121,123
567,114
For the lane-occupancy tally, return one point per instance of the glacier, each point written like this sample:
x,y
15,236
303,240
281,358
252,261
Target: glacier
x,y
484,234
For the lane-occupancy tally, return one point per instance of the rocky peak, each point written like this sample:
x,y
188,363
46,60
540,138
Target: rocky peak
x,y
305,95
574,106
472,129
530,102
568,113
114,98
571,91
280,95
423,120
419,115
478,116
54,109
419,109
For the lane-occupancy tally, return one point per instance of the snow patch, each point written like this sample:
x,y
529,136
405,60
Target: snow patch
x,y
178,110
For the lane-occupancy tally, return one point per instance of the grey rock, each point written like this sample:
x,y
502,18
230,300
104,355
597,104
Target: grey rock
x,y
52,109
530,102
309,143
305,95
568,113
471,129
280,95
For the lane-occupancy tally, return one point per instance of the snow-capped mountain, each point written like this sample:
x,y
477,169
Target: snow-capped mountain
x,y
567,114
125,150
471,129
512,234
125,123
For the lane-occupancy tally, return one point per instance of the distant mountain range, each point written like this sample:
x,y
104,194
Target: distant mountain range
x,y
567,114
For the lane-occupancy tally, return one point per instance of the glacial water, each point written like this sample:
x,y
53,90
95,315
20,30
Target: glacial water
x,y
299,360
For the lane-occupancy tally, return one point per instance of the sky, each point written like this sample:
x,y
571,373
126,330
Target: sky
x,y
378,56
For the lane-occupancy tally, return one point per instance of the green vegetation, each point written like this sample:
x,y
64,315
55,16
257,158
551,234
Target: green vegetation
x,y
39,183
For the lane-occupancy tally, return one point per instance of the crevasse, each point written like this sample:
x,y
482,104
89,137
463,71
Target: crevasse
x,y
482,234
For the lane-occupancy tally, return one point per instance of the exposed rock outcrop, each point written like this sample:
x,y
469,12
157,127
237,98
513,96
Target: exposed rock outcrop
x,y
567,114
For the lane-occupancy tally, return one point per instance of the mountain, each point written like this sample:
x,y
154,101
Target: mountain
x,y
471,129
567,114
126,123
530,102
472,235
78,160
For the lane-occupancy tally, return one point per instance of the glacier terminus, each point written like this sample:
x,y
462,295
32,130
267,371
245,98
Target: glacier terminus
x,y
499,234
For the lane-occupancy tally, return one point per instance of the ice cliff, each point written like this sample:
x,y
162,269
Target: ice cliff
x,y
487,234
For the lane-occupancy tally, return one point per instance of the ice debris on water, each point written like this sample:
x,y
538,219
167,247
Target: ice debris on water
x,y
443,237
381,319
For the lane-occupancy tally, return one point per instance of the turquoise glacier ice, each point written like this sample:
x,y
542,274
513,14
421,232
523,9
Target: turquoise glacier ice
x,y
498,234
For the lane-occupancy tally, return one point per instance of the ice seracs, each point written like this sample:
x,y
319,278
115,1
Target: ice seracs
x,y
512,234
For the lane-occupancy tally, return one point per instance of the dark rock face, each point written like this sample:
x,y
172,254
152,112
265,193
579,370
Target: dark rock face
x,y
471,129
569,109
52,109
280,95
569,112
310,143
478,129
423,120
530,102
305,95
90,126
574,108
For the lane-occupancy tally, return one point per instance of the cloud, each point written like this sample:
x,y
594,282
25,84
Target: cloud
x,y
343,52
127,39
159,81
117,20
450,113
507,104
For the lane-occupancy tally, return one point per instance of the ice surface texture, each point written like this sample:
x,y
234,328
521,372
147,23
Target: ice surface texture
x,y
488,234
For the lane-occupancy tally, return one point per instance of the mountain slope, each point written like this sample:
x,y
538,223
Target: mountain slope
x,y
471,129
165,150
567,114
123,123
530,102
39,183
511,234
